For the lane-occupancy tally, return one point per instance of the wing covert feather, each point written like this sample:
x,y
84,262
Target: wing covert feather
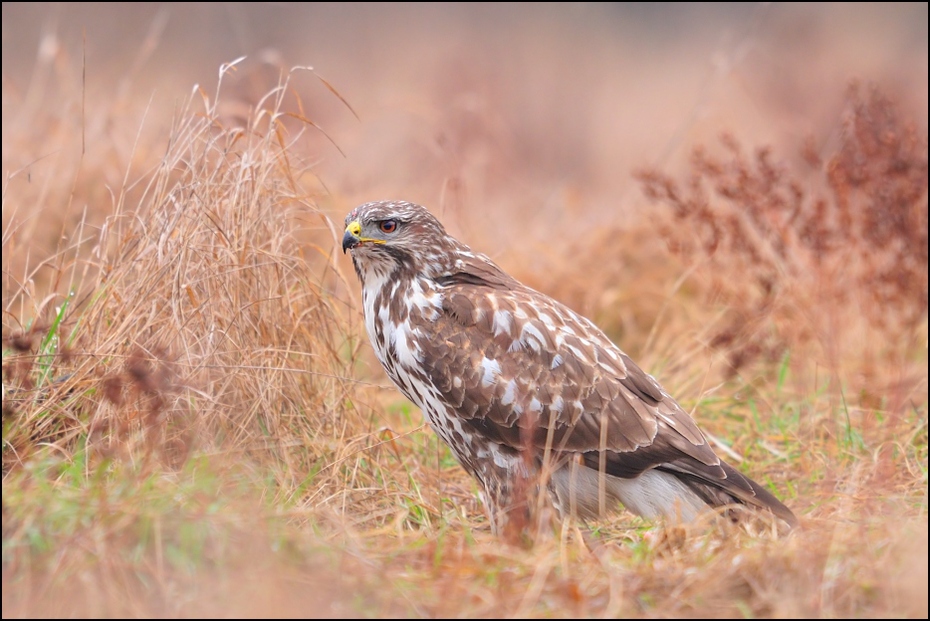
x,y
524,368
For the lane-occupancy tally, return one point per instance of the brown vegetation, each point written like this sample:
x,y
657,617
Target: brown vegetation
x,y
845,239
192,426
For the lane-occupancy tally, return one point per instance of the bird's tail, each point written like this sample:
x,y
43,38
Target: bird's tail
x,y
736,489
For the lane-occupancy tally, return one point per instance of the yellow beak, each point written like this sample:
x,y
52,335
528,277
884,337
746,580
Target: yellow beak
x,y
353,237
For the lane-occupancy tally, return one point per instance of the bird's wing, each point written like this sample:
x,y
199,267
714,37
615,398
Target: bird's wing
x,y
527,371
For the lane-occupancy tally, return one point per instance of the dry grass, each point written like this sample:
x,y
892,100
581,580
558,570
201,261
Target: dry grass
x,y
191,425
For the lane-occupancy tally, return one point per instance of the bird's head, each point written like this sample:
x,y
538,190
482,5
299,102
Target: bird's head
x,y
386,236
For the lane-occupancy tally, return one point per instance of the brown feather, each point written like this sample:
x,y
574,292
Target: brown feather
x,y
499,367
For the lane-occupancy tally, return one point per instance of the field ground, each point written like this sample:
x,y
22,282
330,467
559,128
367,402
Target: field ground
x,y
195,425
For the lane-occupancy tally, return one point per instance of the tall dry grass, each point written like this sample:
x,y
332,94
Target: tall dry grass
x,y
180,318
172,352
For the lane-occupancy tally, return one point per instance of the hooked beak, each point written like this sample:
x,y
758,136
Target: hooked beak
x,y
349,241
353,237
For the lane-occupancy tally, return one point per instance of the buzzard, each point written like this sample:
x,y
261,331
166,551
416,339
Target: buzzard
x,y
533,399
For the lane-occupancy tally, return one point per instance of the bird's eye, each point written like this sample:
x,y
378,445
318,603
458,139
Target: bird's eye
x,y
388,226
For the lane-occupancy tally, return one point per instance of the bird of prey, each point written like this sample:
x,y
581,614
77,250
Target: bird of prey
x,y
531,397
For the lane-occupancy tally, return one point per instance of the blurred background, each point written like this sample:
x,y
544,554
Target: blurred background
x,y
473,108
522,126
194,424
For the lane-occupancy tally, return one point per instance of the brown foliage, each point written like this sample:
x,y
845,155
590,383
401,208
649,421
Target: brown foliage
x,y
848,235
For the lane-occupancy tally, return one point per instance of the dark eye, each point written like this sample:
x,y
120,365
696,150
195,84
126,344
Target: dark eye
x,y
388,226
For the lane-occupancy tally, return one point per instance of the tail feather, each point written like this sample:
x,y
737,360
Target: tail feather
x,y
668,491
737,488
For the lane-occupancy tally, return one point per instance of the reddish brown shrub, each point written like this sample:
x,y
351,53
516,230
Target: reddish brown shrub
x,y
790,254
